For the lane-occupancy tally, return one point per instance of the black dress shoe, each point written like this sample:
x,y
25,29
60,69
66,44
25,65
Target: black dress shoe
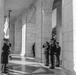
x,y
52,67
5,72
57,66
46,65
2,72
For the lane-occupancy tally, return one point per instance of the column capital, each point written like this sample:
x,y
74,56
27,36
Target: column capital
x,y
47,5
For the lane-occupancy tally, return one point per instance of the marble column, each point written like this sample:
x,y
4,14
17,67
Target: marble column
x,y
59,26
43,26
1,27
46,23
38,31
24,49
74,35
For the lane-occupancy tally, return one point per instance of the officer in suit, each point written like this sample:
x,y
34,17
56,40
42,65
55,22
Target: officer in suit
x,y
58,50
46,52
52,53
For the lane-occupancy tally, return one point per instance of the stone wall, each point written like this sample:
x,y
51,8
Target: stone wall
x,y
67,35
31,36
12,36
18,36
30,30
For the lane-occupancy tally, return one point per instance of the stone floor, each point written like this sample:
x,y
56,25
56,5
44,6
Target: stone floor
x,y
22,66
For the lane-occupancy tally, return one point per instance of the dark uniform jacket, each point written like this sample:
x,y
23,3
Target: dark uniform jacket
x,y
58,50
5,52
46,46
52,49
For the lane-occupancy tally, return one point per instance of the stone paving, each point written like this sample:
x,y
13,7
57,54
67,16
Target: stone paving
x,y
30,67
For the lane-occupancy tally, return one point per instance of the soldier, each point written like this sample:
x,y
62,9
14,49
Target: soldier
x,y
33,49
46,52
4,55
52,53
58,50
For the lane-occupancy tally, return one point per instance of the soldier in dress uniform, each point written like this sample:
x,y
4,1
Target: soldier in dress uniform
x,y
46,52
52,53
58,50
4,55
